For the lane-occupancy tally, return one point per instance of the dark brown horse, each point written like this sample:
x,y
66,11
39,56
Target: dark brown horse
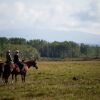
x,y
1,68
5,70
23,71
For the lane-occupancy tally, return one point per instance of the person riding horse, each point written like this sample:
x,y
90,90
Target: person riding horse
x,y
8,59
7,67
17,60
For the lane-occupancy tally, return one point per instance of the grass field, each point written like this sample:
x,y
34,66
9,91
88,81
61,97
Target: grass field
x,y
54,81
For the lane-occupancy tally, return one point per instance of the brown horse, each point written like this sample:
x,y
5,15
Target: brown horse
x,y
1,68
23,71
5,70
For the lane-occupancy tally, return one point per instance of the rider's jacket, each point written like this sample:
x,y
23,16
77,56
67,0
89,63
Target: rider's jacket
x,y
17,61
16,58
8,57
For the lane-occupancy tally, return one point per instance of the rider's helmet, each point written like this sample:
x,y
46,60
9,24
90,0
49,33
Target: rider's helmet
x,y
8,51
17,51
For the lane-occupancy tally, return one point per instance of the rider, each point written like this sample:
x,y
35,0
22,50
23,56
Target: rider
x,y
17,60
8,57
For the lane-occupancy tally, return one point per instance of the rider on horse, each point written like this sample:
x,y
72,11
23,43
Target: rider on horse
x,y
17,60
8,60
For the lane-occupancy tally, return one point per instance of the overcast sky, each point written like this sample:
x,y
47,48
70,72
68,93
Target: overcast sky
x,y
49,15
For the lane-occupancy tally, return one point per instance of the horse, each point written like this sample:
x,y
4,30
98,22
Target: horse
x,y
23,71
5,70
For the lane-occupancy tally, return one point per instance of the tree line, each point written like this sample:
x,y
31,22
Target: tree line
x,y
41,48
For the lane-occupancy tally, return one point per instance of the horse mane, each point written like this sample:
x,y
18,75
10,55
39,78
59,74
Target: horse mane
x,y
28,62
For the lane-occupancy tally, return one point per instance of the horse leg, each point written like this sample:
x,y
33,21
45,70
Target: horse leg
x,y
0,74
3,77
12,78
7,77
24,76
0,77
15,77
6,80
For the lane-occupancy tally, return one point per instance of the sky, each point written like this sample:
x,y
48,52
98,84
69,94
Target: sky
x,y
51,19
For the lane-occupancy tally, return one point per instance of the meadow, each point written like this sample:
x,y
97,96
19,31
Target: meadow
x,y
56,80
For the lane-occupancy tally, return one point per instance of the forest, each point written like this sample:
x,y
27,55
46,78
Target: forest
x,y
43,49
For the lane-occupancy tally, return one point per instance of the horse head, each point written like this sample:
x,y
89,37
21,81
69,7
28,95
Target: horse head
x,y
34,64
31,63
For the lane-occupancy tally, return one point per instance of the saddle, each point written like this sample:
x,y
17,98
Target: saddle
x,y
20,67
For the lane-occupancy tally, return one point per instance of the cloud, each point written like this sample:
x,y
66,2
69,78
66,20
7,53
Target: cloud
x,y
80,15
